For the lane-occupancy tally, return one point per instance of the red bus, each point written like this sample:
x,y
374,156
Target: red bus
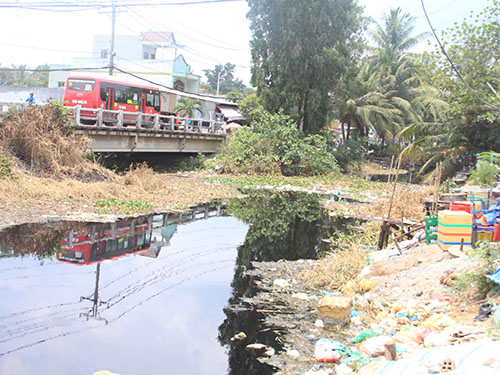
x,y
98,242
110,94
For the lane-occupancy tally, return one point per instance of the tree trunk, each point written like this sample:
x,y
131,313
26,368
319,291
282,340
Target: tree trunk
x,y
343,132
302,114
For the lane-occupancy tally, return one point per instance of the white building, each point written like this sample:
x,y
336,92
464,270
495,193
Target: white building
x,y
150,55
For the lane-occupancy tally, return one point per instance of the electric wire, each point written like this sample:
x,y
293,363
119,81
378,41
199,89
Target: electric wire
x,y
43,49
453,65
51,70
153,21
58,6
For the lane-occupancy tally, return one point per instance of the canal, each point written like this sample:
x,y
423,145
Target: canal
x,y
149,295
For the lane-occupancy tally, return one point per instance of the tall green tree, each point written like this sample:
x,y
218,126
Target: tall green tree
x,y
399,79
473,47
470,122
300,49
393,39
222,76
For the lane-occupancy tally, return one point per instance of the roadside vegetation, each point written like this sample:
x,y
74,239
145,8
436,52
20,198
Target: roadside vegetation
x,y
273,145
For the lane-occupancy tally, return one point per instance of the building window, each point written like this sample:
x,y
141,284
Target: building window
x,y
179,85
104,54
61,83
148,55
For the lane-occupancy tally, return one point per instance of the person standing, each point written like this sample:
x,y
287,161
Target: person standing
x,y
31,99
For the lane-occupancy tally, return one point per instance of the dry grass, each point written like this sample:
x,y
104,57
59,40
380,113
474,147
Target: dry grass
x,y
41,139
162,191
37,239
408,201
336,269
345,260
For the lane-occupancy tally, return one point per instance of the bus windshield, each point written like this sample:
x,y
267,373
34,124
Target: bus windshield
x,y
75,84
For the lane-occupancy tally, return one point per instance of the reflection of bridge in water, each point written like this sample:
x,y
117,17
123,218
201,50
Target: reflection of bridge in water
x,y
96,242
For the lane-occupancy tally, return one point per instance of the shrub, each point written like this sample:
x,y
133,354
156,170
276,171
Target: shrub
x,y
353,152
274,145
489,255
192,163
6,171
483,171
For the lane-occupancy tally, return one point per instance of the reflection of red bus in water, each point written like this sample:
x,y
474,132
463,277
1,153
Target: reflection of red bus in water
x,y
111,94
97,242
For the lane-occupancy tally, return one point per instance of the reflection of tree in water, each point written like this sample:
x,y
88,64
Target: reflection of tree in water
x,y
282,226
37,239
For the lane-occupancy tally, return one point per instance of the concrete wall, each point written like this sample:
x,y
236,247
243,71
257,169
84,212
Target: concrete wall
x,y
126,46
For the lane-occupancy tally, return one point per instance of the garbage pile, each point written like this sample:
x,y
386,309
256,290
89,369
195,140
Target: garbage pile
x,y
414,338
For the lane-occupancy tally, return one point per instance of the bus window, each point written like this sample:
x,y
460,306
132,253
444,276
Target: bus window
x,y
157,101
149,100
121,96
75,84
104,93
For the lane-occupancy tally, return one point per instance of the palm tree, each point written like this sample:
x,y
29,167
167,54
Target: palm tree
x,y
421,106
359,104
187,107
393,39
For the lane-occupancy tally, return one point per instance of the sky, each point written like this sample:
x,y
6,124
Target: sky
x,y
212,33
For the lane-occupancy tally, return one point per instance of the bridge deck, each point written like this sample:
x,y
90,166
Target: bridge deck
x,y
118,131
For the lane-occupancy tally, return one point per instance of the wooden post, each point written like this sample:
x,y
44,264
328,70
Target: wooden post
x,y
394,187
387,186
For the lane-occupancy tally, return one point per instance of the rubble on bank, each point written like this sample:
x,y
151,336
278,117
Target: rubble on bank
x,y
408,320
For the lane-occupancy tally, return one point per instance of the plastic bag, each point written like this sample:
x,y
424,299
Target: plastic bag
x,y
327,350
363,335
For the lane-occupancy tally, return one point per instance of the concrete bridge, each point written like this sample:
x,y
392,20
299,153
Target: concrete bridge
x,y
118,131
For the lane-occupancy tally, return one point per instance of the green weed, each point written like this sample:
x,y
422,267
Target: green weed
x,y
476,281
126,207
6,171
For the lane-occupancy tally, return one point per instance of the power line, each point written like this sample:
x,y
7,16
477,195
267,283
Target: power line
x,y
43,49
58,6
50,70
226,47
453,65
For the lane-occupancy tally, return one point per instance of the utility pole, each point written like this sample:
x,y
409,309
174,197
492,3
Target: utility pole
x,y
218,82
112,52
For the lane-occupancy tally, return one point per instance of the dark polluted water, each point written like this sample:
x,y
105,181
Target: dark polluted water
x,y
151,295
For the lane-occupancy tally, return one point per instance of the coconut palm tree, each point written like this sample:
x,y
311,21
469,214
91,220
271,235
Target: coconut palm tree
x,y
187,107
359,104
393,39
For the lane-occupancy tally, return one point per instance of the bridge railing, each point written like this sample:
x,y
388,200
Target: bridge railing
x,y
120,120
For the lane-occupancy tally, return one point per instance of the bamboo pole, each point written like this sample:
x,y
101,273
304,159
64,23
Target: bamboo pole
x,y
381,234
394,188
387,186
